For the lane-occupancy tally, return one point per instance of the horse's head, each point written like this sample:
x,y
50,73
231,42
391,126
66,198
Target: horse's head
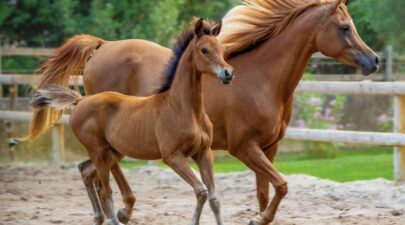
x,y
339,39
208,52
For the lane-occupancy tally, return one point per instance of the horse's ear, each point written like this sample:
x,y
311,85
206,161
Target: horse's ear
x,y
217,28
338,3
199,27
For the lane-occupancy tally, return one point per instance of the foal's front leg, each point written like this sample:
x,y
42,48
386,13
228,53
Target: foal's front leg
x,y
205,162
128,197
178,162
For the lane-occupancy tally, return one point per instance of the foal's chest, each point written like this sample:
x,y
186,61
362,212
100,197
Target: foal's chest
x,y
200,142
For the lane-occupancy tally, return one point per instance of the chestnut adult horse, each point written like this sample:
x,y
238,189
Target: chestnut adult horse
x,y
268,42
171,125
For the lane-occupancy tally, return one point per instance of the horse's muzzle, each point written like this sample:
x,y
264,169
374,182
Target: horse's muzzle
x,y
368,64
226,75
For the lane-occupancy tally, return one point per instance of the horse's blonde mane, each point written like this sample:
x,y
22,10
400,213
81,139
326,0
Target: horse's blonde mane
x,y
257,20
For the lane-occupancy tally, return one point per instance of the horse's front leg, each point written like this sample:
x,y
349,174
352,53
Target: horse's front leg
x,y
128,197
178,162
253,157
262,184
205,162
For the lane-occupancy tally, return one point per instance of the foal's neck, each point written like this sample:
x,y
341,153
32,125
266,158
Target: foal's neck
x,y
186,91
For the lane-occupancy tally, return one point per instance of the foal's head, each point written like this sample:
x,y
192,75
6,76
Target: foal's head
x,y
208,53
339,39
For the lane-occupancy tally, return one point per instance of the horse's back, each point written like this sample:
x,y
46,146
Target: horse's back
x,y
131,67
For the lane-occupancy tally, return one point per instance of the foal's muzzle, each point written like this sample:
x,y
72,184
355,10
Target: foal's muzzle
x,y
225,75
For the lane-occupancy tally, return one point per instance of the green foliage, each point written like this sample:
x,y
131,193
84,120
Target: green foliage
x,y
48,23
380,22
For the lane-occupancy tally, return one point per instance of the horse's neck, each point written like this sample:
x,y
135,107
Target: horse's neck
x,y
282,60
186,91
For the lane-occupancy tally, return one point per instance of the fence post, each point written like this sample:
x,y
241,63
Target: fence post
x,y
399,126
389,63
58,144
13,92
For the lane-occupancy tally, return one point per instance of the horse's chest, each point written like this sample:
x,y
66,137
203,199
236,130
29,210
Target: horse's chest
x,y
272,127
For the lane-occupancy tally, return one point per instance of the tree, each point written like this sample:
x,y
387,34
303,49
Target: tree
x,y
48,23
381,21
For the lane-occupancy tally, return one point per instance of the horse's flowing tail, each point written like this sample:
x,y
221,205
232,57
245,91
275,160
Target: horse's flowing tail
x,y
55,96
67,60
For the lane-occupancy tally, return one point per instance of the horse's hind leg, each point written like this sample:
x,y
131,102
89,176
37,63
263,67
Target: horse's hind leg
x,y
89,174
128,197
178,162
205,162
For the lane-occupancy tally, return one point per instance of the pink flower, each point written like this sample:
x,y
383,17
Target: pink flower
x,y
317,115
336,127
300,123
328,114
383,118
314,101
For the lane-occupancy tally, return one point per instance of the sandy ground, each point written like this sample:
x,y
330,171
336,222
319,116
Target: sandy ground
x,y
41,195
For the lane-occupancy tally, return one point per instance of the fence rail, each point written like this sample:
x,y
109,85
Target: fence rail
x,y
350,137
27,51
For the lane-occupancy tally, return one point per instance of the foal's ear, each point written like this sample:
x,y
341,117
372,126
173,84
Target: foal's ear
x,y
217,28
199,27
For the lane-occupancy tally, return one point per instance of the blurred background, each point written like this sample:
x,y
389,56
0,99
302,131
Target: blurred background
x,y
42,25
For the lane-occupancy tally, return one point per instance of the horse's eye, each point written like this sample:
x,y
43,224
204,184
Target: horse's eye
x,y
345,29
204,51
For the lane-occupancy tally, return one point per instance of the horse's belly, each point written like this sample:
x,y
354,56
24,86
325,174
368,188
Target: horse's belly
x,y
134,137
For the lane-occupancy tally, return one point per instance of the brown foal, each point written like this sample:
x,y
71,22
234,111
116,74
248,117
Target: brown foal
x,y
171,125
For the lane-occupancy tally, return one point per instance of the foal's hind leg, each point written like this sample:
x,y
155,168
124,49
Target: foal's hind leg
x,y
178,162
89,173
205,162
103,163
128,197
103,158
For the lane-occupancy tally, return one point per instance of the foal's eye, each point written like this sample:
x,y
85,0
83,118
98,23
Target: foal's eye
x,y
345,29
204,51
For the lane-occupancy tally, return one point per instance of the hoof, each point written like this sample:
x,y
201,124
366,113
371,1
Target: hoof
x,y
98,220
257,221
122,216
112,222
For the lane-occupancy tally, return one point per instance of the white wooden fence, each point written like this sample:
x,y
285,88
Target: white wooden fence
x,y
396,139
396,89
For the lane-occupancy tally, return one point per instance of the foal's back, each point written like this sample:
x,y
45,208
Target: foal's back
x,y
126,123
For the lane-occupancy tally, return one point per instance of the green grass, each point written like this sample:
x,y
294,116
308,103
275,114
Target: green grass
x,y
349,165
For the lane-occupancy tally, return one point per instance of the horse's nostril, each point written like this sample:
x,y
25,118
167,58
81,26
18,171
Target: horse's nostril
x,y
228,74
377,60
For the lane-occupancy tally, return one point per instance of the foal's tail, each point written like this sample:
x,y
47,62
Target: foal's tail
x,y
67,60
55,96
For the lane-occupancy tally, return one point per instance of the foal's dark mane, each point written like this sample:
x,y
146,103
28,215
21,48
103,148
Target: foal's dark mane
x,y
178,48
